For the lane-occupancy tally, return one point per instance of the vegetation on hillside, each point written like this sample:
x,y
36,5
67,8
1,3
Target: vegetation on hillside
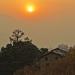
x,y
18,53
64,66
22,57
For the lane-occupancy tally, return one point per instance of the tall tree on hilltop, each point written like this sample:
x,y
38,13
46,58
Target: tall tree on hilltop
x,y
17,34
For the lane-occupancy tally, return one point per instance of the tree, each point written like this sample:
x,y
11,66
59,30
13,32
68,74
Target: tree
x,y
63,47
44,50
17,34
27,39
18,53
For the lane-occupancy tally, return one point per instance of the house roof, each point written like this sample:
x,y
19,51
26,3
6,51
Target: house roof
x,y
55,51
59,51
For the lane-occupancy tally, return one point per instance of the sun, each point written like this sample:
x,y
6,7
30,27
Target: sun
x,y
30,8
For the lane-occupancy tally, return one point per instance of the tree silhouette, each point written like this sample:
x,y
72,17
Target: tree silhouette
x,y
44,51
18,53
27,39
17,34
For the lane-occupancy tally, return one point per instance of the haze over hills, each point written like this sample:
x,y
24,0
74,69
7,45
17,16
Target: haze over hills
x,y
53,29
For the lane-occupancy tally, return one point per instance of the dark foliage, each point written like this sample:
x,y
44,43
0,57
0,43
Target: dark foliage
x,y
22,57
44,51
17,54
64,66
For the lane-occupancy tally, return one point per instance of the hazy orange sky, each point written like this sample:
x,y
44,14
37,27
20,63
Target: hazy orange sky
x,y
51,24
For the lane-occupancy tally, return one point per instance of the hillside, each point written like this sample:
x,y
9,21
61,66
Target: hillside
x,y
64,66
